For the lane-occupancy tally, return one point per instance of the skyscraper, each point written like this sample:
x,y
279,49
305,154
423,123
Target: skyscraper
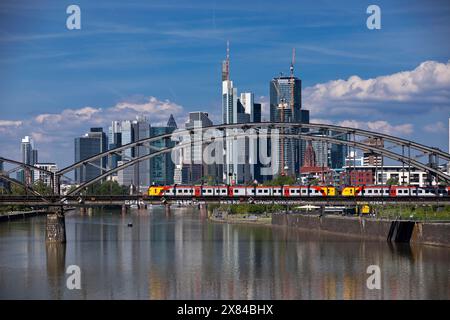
x,y
286,106
193,167
372,158
29,156
114,141
29,153
90,144
141,130
236,109
161,166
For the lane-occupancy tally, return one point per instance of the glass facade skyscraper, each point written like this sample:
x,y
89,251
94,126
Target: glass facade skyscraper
x,y
90,144
290,151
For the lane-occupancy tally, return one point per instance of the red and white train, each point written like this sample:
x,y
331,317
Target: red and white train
x,y
297,191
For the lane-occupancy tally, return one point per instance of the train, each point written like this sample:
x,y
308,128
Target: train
x,y
237,191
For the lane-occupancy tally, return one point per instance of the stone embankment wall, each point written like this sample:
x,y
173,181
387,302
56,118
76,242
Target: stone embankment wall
x,y
398,231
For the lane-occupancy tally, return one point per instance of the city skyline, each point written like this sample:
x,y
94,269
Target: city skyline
x,y
353,87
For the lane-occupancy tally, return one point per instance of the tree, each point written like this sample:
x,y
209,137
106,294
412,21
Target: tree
x,y
41,188
17,190
392,182
281,180
107,188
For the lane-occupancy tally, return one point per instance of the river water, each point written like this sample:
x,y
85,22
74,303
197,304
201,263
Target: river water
x,y
182,256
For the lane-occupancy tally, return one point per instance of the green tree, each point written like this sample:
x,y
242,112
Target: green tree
x,y
17,190
281,180
107,188
392,182
41,188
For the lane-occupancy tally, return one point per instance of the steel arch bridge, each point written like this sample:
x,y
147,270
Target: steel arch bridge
x,y
405,151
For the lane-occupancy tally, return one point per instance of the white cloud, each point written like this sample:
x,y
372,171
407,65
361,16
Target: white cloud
x,y
437,127
54,133
151,106
376,126
420,89
155,110
379,126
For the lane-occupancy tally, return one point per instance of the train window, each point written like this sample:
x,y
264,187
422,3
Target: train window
x,y
369,191
260,191
266,191
224,191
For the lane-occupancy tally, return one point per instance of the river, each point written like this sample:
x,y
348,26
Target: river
x,y
182,256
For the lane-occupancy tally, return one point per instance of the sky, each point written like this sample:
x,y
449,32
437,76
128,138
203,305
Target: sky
x,y
161,57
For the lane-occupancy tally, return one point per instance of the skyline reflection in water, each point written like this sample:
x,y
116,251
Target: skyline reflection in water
x,y
182,256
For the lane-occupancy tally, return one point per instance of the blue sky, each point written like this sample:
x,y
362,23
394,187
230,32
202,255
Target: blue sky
x,y
130,51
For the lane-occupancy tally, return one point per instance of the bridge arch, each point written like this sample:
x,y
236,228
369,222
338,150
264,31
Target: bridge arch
x,y
271,125
300,135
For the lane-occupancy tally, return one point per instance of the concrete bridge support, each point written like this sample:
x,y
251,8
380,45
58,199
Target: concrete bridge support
x,y
82,210
55,230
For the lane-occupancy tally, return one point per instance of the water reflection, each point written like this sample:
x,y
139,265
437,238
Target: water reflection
x,y
181,256
56,266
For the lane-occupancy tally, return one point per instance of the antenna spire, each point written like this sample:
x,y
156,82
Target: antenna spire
x,y
292,62
228,60
226,65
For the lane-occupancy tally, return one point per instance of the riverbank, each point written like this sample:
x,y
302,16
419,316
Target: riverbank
x,y
431,233
14,215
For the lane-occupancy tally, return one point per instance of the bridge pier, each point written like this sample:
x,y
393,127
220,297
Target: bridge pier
x,y
82,210
55,230
124,209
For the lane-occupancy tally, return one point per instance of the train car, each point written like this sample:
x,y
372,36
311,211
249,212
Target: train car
x,y
374,191
156,191
311,191
351,191
259,191
296,191
210,191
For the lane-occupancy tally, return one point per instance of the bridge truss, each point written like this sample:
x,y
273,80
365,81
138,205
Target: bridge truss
x,y
409,153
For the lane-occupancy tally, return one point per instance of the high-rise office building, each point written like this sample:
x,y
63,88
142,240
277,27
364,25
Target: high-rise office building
x,y
29,153
45,178
372,158
329,154
286,106
192,166
243,109
92,143
161,166
141,130
114,141
29,156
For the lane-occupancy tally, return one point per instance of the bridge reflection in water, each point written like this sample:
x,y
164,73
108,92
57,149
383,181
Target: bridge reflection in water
x,y
181,256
